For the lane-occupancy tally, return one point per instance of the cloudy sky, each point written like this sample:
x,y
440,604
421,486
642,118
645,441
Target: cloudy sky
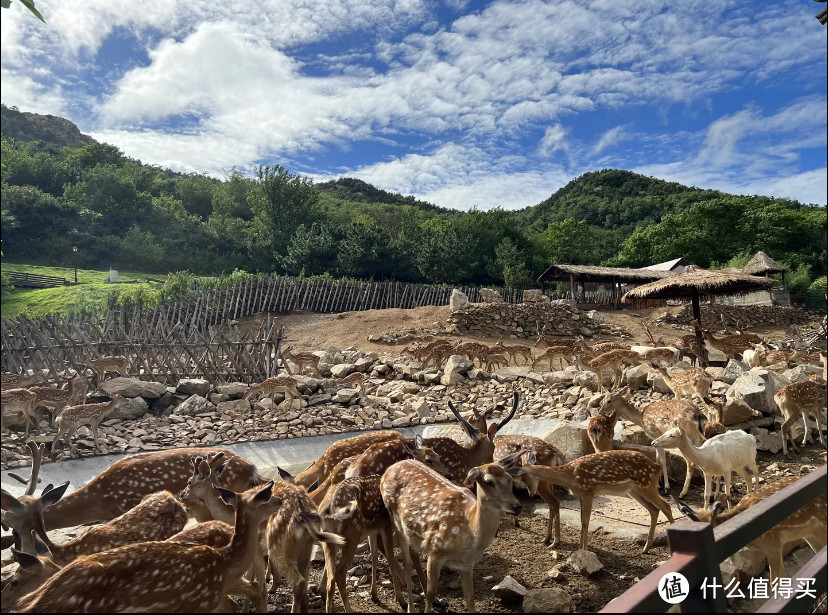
x,y
460,103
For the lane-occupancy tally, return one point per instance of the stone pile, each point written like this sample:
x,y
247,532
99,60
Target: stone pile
x,y
521,320
745,316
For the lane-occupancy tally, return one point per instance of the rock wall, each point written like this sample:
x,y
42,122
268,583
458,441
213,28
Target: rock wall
x,y
519,319
745,316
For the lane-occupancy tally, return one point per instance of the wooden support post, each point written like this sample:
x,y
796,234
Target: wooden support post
x,y
697,316
572,286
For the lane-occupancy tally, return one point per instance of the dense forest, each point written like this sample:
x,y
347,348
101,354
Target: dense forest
x,y
62,189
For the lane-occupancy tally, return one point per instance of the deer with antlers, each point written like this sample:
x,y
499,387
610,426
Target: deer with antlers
x,y
21,402
342,449
302,360
152,576
807,523
354,510
801,398
115,491
58,399
655,419
609,473
444,522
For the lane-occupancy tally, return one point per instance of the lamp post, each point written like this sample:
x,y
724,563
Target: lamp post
x,y
75,250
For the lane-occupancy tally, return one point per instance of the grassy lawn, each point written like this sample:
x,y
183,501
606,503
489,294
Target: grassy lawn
x,y
90,293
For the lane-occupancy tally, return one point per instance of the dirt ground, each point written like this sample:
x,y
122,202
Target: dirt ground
x,y
310,331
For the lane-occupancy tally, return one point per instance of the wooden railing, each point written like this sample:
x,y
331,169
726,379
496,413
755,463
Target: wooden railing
x,y
34,280
697,549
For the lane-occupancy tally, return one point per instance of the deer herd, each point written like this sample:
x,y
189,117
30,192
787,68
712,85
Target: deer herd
x,y
192,529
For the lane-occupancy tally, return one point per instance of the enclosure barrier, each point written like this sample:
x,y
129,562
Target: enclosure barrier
x,y
34,280
697,549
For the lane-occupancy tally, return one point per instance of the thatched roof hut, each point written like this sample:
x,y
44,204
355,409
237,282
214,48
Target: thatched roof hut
x,y
695,282
762,264
581,274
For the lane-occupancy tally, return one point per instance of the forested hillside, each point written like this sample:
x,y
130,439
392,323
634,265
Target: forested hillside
x,y
61,189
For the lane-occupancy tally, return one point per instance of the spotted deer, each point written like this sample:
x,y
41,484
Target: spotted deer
x,y
608,473
9,380
459,459
545,454
612,360
357,379
687,383
801,398
663,356
514,351
354,510
447,524
807,523
85,414
731,345
302,360
655,419
472,350
119,488
347,447
275,384
552,353
318,491
418,352
601,430
498,359
58,399
157,571
378,457
100,366
21,402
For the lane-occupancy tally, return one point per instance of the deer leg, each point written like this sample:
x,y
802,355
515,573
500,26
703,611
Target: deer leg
x,y
728,477
586,512
742,472
786,432
691,467
346,556
661,455
653,510
545,490
372,541
434,565
95,434
776,565
707,481
387,544
467,582
807,435
407,561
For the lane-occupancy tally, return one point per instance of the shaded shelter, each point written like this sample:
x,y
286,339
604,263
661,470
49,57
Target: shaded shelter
x,y
762,264
695,282
582,274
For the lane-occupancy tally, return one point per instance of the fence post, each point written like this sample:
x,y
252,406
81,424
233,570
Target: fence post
x,y
696,539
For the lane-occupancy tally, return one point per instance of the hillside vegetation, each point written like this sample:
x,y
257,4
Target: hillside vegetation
x,y
61,190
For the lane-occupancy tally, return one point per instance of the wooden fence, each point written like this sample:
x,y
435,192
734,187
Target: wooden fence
x,y
697,549
159,350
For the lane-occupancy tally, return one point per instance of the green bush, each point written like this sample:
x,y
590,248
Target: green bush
x,y
800,279
820,285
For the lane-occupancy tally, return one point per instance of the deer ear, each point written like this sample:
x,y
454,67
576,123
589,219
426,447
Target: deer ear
x,y
492,431
512,459
265,492
516,471
488,413
345,512
220,470
9,502
284,475
41,547
717,508
531,458
314,486
26,560
472,477
228,496
53,495
203,469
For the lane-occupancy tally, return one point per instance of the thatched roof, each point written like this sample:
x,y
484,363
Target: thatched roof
x,y
762,263
667,265
695,280
589,273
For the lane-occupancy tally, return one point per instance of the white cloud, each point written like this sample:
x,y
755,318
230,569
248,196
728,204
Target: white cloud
x,y
20,90
553,140
613,136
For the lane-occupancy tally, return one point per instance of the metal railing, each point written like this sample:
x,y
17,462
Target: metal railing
x,y
697,549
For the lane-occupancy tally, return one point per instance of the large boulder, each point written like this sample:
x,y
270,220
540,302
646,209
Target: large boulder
x,y
129,409
233,389
657,383
342,369
193,386
570,438
532,296
458,300
596,317
636,377
547,600
738,411
510,374
753,389
194,405
454,369
132,387
767,440
733,370
509,589
803,372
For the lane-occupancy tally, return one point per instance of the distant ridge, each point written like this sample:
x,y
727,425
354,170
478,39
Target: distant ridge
x,y
26,126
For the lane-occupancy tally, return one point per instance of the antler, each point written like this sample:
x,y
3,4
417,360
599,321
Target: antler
x,y
468,426
37,458
510,416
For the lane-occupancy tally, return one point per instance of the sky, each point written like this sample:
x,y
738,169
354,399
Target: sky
x,y
459,103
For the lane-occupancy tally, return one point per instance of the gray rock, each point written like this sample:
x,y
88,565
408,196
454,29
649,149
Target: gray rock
x,y
766,441
596,317
733,370
490,296
422,408
363,364
752,388
233,389
234,407
458,300
129,409
345,396
163,402
193,386
569,438
584,562
532,296
194,405
321,398
636,377
743,565
132,387
737,411
342,369
509,589
803,372
656,382
588,380
510,374
547,600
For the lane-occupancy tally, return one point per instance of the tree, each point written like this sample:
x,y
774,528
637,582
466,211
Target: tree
x,y
313,249
29,4
511,262
281,202
365,251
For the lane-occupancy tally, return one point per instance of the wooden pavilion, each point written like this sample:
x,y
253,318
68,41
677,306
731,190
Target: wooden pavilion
x,y
578,275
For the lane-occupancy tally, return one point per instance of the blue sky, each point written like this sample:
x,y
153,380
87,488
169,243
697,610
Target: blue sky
x,y
459,103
